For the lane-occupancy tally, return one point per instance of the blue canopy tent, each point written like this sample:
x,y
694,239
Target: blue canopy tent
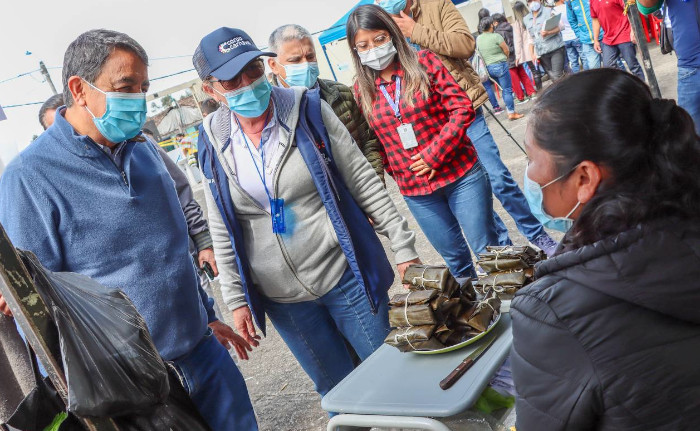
x,y
336,32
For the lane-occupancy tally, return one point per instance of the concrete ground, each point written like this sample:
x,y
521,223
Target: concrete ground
x,y
282,394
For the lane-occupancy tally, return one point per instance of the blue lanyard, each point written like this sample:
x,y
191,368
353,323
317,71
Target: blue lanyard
x,y
262,154
394,104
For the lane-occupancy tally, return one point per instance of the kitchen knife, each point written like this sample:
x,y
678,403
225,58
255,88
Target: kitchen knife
x,y
466,364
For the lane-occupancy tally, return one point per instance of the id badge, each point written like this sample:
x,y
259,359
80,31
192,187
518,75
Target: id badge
x,y
277,211
407,136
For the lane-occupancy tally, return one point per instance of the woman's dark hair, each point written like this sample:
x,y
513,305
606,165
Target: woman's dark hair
x,y
648,146
499,18
485,23
415,79
483,13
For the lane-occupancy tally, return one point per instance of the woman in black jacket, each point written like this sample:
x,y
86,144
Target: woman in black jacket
x,y
608,337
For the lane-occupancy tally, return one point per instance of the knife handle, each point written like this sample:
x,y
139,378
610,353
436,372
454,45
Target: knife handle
x,y
455,375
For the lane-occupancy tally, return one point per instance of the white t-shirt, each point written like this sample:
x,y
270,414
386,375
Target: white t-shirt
x,y
567,33
246,172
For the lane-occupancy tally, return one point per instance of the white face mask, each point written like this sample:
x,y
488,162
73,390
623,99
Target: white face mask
x,y
378,58
535,6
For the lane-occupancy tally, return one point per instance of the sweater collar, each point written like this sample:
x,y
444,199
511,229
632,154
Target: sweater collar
x,y
80,145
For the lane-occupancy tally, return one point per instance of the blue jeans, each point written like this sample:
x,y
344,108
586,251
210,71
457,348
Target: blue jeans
x,y
492,96
216,386
689,93
574,52
315,331
500,72
463,206
591,58
612,53
504,186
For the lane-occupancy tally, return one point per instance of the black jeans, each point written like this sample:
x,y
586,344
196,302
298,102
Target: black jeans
x,y
553,62
628,51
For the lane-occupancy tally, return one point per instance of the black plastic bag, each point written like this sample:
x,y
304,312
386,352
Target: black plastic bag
x,y
111,365
39,408
177,413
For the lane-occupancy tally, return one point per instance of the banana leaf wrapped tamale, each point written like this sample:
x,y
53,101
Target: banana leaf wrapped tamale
x,y
502,264
412,315
460,335
431,277
509,258
414,297
502,281
526,253
443,306
483,311
413,338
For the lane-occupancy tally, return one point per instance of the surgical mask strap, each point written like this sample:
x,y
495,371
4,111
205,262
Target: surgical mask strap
x,y
578,203
560,177
91,85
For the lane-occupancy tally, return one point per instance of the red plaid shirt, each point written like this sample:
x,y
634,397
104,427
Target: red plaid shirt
x,y
440,123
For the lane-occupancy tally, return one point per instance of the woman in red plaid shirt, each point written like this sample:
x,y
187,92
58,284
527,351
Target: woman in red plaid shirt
x,y
421,115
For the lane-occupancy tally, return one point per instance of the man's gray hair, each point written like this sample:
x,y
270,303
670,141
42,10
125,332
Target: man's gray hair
x,y
285,34
87,54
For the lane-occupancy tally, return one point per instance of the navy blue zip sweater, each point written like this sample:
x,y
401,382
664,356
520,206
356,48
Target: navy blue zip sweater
x,y
64,199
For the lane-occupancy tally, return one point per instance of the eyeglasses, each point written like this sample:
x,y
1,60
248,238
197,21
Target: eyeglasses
x,y
253,70
378,41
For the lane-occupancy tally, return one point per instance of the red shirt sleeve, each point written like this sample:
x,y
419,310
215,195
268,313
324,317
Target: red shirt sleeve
x,y
461,112
594,13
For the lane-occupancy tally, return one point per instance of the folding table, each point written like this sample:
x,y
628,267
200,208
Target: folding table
x,y
394,389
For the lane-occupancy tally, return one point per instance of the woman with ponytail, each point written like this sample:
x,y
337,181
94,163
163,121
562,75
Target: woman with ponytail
x,y
608,337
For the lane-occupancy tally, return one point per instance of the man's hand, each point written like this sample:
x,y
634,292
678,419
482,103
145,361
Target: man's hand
x,y
207,255
402,267
228,338
4,308
243,321
405,23
420,167
596,46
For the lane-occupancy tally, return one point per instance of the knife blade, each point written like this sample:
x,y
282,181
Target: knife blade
x,y
466,364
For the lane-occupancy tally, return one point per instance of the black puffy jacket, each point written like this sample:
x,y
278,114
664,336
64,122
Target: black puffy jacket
x,y
608,337
506,30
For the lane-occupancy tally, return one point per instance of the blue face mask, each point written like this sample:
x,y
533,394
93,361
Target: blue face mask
x,y
250,101
393,7
535,198
124,116
301,75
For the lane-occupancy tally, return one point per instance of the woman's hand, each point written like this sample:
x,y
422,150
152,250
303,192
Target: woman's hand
x,y
420,167
229,339
402,267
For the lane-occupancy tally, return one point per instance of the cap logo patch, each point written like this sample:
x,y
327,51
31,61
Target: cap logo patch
x,y
232,44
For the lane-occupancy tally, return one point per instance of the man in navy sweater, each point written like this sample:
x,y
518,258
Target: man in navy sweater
x,y
90,195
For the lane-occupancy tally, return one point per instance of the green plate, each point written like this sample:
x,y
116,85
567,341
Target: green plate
x,y
463,343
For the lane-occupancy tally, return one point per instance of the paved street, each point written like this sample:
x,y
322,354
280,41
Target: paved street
x,y
283,396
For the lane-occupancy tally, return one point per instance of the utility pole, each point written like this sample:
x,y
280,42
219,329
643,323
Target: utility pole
x,y
47,77
636,21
